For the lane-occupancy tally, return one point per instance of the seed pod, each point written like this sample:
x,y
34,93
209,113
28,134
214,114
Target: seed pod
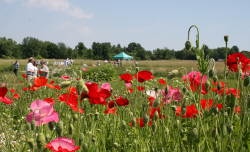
x,y
75,117
31,143
230,128
183,109
156,102
145,119
215,78
207,85
246,81
59,128
156,116
219,86
33,124
133,122
173,74
51,125
154,127
124,125
71,128
81,138
28,126
65,84
226,38
211,73
40,141
137,69
194,133
96,116
48,138
188,45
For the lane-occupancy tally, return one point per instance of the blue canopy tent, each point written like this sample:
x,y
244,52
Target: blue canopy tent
x,y
122,56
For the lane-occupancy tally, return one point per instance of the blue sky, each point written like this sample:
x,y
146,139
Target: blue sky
x,y
153,24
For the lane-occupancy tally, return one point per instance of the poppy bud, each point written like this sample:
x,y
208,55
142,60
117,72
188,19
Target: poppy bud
x,y
65,84
124,125
96,115
188,45
226,38
48,137
215,78
75,117
207,85
33,124
156,116
59,128
145,118
71,128
131,114
184,89
167,131
246,81
80,86
219,86
173,108
137,69
194,133
51,125
156,89
154,127
215,109
230,128
81,138
30,85
133,122
183,109
28,126
176,124
31,143
211,73
156,102
40,141
240,73
166,90
173,74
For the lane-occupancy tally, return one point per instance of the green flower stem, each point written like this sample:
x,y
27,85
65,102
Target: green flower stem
x,y
77,127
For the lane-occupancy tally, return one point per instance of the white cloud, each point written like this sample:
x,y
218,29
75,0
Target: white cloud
x,y
58,5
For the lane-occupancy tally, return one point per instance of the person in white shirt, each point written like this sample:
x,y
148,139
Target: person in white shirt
x,y
30,70
66,63
36,69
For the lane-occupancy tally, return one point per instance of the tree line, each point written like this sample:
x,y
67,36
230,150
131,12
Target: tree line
x,y
34,47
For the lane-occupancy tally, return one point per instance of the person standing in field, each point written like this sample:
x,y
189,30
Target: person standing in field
x,y
36,69
30,70
16,64
44,69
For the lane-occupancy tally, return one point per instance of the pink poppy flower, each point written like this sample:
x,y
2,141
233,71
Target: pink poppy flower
x,y
62,144
65,77
243,75
173,94
106,86
47,112
84,69
128,85
3,84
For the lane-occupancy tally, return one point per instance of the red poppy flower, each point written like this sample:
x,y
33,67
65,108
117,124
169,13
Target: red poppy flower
x,y
41,81
77,79
25,88
228,91
52,82
12,90
222,83
208,105
126,77
111,104
50,100
24,76
35,87
57,87
111,110
232,62
65,77
96,95
6,100
151,99
40,72
72,90
141,124
144,76
50,86
72,101
16,96
140,88
152,112
161,81
122,102
130,90
191,111
237,110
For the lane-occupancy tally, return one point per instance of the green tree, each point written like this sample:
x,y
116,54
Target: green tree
x,y
53,51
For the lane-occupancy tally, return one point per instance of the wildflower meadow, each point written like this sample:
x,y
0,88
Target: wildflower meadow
x,y
85,110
